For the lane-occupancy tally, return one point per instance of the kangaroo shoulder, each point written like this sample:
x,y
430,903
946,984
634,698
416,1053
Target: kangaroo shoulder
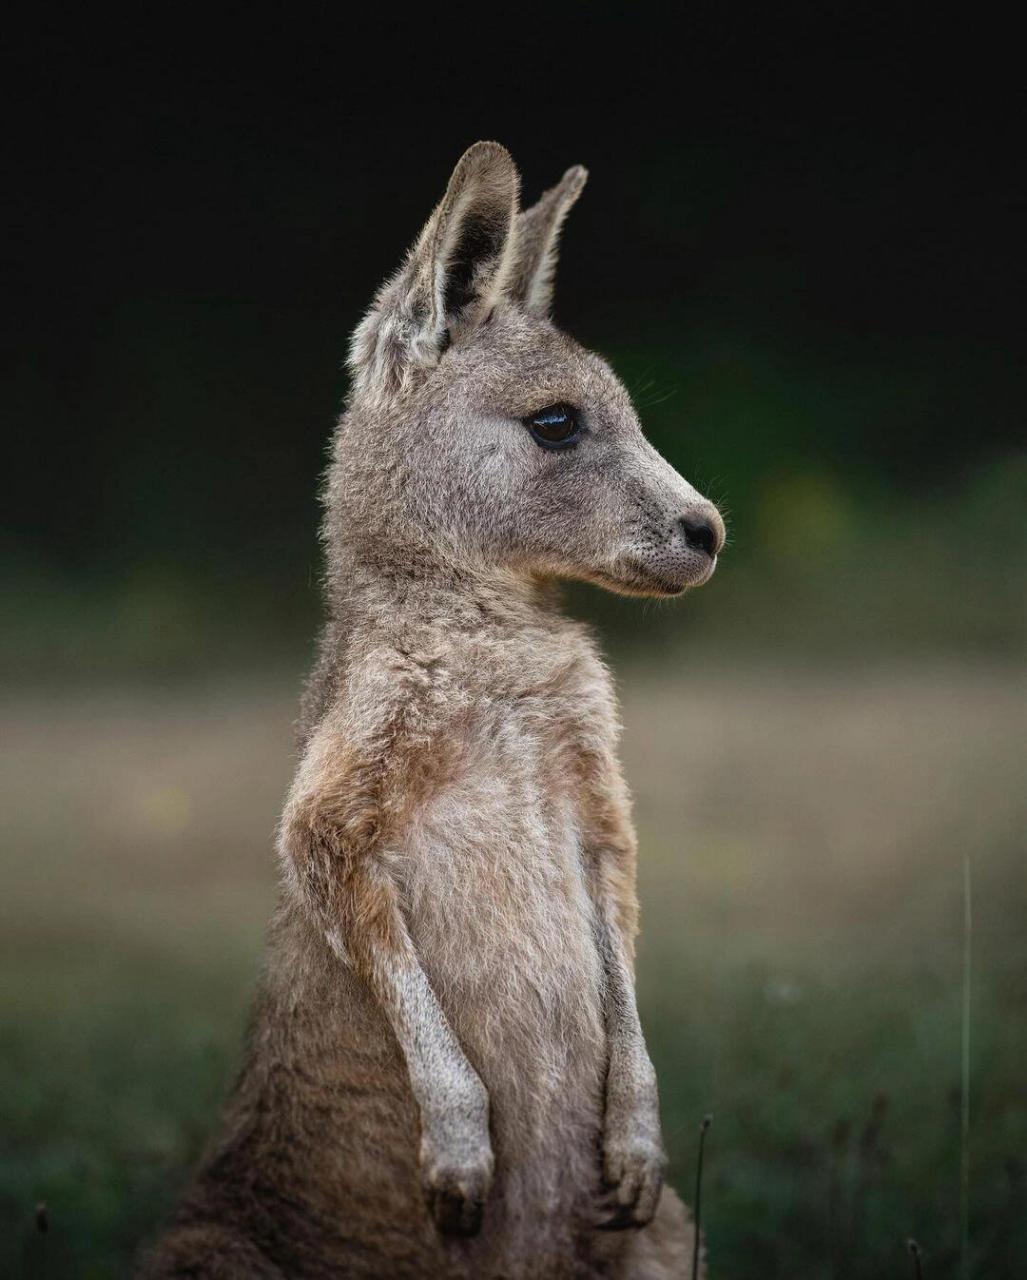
x,y
374,743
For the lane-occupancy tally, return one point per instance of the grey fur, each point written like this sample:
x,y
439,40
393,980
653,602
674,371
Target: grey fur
x,y
446,1075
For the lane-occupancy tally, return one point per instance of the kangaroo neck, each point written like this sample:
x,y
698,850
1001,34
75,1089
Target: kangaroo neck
x,y
413,593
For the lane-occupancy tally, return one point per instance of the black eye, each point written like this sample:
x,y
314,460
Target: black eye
x,y
555,427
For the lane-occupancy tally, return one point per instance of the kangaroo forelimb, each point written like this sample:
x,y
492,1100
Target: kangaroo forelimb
x,y
350,896
633,1155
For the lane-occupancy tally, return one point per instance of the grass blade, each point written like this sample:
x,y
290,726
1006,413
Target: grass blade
x,y
697,1212
964,1109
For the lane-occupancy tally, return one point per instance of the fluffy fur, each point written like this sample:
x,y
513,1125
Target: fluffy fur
x,y
445,1074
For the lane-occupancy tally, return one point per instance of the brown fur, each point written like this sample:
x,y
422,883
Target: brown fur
x,y
444,1074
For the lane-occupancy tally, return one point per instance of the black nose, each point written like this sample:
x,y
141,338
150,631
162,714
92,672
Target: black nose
x,y
700,535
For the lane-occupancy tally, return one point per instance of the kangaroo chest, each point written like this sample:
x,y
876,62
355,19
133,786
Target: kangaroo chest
x,y
496,876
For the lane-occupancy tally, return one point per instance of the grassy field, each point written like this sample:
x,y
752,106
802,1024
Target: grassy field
x,y
803,840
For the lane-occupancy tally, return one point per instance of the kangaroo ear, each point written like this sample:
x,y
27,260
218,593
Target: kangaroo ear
x,y
538,237
452,277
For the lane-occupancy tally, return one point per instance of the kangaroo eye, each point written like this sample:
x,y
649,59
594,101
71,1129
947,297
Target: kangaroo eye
x,y
555,427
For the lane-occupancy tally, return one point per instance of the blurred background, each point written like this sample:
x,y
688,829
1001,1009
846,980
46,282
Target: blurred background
x,y
802,248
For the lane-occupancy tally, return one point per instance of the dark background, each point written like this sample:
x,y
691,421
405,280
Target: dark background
x,y
802,241
801,246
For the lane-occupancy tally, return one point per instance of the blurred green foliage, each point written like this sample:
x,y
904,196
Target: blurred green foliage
x,y
108,1106
851,530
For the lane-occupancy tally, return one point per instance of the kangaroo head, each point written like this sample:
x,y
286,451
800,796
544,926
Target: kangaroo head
x,y
481,436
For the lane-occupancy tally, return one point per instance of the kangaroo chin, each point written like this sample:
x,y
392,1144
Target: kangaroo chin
x,y
445,1074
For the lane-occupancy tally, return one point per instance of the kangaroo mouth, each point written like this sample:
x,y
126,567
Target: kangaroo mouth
x,y
635,578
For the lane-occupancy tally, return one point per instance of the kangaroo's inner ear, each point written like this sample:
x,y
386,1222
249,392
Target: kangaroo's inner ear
x,y
538,238
463,257
471,265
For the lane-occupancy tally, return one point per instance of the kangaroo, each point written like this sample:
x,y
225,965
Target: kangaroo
x,y
445,1075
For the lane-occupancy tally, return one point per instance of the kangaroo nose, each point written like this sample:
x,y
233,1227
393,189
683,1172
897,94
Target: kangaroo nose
x,y
702,535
